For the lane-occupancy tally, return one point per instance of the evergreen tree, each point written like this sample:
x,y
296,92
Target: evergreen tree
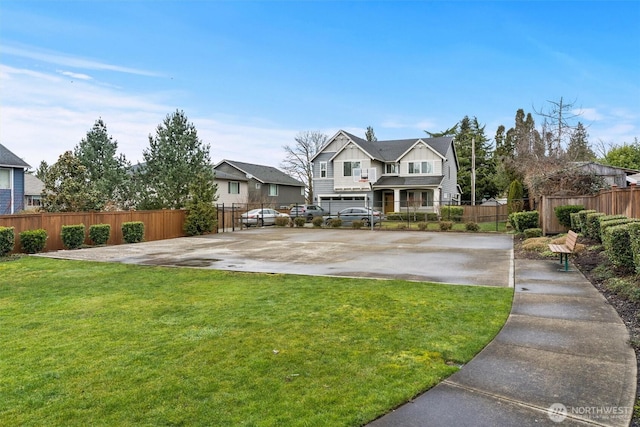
x,y
67,187
370,135
624,156
107,171
468,131
201,217
579,149
175,159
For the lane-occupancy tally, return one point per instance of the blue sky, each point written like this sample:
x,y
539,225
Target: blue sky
x,y
252,74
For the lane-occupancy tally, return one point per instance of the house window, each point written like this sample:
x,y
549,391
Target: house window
x,y
421,198
234,187
5,179
391,168
349,167
420,167
34,201
323,169
302,191
258,186
273,189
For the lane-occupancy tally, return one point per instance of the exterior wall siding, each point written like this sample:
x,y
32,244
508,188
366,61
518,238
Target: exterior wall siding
x,y
18,186
450,181
5,202
228,199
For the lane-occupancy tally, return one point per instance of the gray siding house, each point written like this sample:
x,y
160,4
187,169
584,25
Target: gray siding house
x,y
12,171
241,183
419,174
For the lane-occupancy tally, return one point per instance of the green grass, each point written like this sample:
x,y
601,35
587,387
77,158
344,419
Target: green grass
x,y
110,344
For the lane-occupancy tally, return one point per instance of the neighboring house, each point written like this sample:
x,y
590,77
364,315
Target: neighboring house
x,y
240,183
419,174
12,171
612,175
33,189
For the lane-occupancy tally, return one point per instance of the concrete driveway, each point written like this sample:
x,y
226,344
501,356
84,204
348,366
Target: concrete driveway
x,y
460,258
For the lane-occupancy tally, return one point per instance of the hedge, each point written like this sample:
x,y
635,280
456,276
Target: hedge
x,y
591,225
532,232
617,247
575,222
563,213
72,236
583,220
33,241
634,238
7,240
99,234
133,232
452,213
412,216
604,219
524,220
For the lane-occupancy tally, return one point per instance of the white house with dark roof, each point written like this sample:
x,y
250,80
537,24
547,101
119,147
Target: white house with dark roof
x,y
241,183
12,171
419,173
33,188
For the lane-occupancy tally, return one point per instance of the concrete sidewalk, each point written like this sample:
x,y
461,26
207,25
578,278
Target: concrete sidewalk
x,y
563,347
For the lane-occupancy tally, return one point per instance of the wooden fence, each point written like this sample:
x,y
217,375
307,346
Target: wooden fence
x,y
158,225
617,201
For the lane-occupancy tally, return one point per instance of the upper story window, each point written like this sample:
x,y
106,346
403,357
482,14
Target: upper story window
x,y
5,179
391,168
234,187
348,168
420,167
323,169
273,189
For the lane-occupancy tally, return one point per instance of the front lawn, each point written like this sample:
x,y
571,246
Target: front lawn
x,y
111,344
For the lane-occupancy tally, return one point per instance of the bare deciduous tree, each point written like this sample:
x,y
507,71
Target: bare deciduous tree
x,y
298,159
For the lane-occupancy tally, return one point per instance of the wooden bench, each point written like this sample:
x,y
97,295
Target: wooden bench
x,y
566,249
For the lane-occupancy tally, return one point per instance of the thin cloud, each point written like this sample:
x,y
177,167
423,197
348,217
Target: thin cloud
x,y
77,76
65,60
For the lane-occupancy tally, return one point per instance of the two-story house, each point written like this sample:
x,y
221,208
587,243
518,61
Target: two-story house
x,y
419,174
242,183
12,171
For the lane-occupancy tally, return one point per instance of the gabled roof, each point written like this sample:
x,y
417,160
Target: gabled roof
x,y
32,185
263,174
230,176
393,150
8,159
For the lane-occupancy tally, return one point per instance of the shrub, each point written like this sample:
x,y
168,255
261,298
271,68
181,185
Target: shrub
x,y
532,233
604,224
202,216
335,223
445,225
99,233
33,241
299,221
282,221
401,226
471,226
634,238
412,216
452,213
583,220
7,240
617,247
72,236
575,222
357,224
563,213
515,197
523,220
422,226
133,232
317,221
591,226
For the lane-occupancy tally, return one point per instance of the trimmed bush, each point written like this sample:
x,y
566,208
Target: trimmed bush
x,y
523,220
7,240
72,236
591,225
471,226
412,216
634,238
133,232
33,241
452,213
299,221
422,226
357,224
282,221
99,234
335,223
604,224
575,222
563,213
530,233
583,220
317,222
445,225
617,247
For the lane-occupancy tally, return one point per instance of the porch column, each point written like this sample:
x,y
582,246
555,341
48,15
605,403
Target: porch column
x,y
396,200
436,200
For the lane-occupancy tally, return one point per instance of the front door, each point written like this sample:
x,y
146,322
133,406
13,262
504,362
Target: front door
x,y
388,203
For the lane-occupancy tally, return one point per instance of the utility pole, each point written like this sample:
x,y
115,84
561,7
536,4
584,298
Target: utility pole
x,y
473,171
